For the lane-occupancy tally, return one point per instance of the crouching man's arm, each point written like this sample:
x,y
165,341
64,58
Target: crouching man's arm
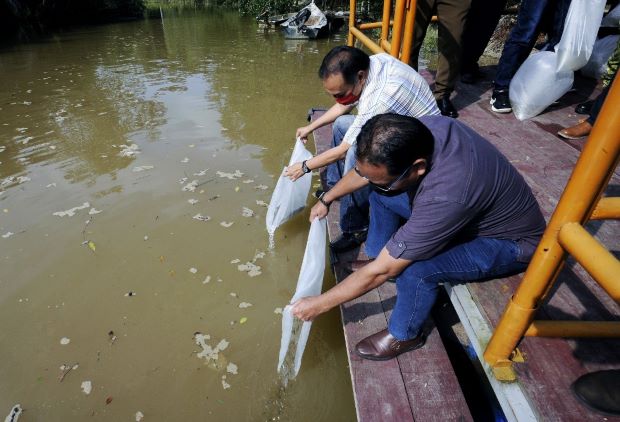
x,y
366,278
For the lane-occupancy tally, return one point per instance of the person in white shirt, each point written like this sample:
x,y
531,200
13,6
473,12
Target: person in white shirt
x,y
375,84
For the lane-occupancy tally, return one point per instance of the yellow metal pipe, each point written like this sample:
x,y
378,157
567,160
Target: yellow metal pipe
x,y
372,25
352,6
594,257
591,174
385,27
607,209
574,329
386,46
368,43
408,34
397,28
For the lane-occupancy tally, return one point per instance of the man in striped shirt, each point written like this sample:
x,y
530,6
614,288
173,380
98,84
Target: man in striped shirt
x,y
377,84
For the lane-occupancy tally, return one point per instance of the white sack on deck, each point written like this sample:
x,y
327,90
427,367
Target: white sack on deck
x,y
310,283
289,197
580,28
537,84
602,51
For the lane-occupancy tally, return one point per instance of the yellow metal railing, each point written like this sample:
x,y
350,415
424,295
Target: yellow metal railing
x,y
580,202
401,40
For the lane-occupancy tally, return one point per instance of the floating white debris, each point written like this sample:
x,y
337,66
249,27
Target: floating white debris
x,y
7,235
87,387
138,169
224,383
191,186
252,269
261,187
226,223
232,368
93,211
244,305
233,294
193,270
248,181
71,212
277,311
2,148
259,255
21,129
52,147
192,201
208,352
183,180
232,176
247,212
185,160
129,150
206,280
139,416
64,341
201,172
146,238
130,294
262,203
201,217
235,261
23,179
14,414
51,185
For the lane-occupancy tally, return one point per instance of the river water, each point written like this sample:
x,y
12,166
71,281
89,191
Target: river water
x,y
112,139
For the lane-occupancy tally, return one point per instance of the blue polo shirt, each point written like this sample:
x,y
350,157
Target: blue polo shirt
x,y
470,190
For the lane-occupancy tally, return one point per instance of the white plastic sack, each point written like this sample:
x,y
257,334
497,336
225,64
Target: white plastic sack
x,y
289,197
309,283
603,49
537,84
580,29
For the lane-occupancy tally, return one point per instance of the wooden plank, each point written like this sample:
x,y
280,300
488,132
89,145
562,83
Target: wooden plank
x,y
420,385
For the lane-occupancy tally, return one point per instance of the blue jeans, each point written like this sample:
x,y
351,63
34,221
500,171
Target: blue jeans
x,y
416,287
523,36
354,207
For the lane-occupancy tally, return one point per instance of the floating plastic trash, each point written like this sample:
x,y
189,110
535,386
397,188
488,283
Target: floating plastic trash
x,y
309,283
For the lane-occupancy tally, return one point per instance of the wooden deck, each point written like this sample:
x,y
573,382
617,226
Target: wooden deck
x,y
422,385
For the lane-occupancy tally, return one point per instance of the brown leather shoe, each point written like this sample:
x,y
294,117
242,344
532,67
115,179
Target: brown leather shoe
x,y
384,346
576,132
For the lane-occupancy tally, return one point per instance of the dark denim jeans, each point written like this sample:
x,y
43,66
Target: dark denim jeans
x,y
416,286
354,207
523,36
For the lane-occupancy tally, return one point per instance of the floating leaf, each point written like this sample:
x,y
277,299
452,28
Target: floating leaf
x,y
243,320
92,246
236,188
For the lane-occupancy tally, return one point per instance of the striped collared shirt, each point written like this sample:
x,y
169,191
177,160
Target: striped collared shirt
x,y
391,87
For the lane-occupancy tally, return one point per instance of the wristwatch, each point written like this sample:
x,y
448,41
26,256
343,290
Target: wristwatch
x,y
327,204
304,167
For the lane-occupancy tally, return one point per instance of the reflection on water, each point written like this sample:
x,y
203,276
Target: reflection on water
x,y
136,163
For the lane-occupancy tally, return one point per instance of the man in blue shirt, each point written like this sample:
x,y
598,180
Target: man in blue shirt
x,y
468,215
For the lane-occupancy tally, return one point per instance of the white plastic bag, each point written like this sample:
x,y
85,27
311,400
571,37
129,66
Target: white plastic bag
x,y
289,197
603,49
309,283
580,29
537,84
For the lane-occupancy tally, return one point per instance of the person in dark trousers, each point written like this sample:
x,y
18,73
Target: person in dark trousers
x,y
520,42
446,207
451,15
481,21
583,128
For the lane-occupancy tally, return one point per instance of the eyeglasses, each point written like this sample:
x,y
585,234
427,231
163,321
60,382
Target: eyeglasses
x,y
384,188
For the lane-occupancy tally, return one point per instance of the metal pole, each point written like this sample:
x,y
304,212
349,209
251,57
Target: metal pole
x,y
590,176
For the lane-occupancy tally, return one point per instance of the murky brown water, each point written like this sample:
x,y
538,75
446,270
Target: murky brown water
x,y
197,94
